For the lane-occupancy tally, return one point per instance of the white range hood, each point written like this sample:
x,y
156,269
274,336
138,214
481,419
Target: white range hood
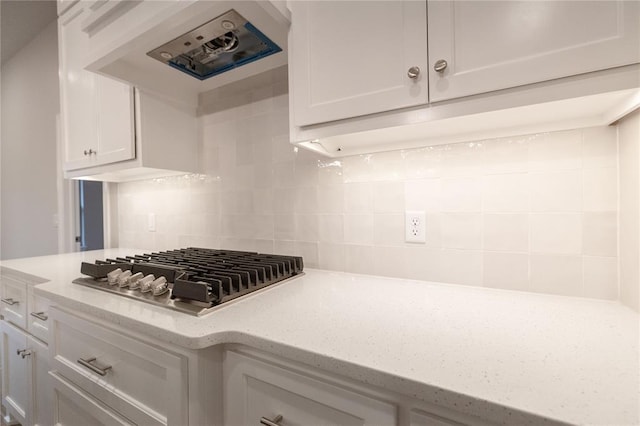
x,y
130,39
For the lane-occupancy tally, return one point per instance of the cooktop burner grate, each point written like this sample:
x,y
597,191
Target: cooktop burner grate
x,y
191,280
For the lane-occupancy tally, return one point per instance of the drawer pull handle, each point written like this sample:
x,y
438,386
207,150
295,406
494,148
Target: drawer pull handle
x,y
266,422
40,315
87,363
10,301
23,353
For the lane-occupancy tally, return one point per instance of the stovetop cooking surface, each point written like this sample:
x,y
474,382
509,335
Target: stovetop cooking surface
x,y
199,280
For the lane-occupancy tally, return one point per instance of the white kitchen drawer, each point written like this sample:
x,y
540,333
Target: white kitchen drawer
x,y
72,407
13,306
143,383
255,389
38,315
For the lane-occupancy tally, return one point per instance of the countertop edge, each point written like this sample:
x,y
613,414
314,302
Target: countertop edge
x,y
424,392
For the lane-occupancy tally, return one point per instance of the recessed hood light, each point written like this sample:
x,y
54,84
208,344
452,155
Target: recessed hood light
x,y
224,43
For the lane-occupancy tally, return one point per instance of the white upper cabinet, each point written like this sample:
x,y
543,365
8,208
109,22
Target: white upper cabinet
x,y
352,58
111,131
492,45
566,64
97,112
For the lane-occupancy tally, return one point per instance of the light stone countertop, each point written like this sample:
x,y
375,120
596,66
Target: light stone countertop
x,y
515,357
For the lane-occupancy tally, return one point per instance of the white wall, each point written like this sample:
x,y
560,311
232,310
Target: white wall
x,y
629,136
28,176
535,213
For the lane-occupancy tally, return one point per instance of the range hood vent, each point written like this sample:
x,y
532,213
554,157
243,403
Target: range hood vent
x,y
222,44
179,50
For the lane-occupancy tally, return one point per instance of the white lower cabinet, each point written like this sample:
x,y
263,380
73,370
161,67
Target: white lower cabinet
x,y
73,407
16,373
260,388
26,388
136,380
257,392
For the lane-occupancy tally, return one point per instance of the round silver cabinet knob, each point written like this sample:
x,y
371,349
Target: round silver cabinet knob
x,y
440,65
413,72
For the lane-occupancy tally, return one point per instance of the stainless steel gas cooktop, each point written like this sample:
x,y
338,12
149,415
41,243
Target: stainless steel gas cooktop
x,y
191,280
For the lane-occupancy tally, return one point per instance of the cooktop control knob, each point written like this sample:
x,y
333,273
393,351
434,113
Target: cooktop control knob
x,y
145,283
112,277
159,286
123,279
134,280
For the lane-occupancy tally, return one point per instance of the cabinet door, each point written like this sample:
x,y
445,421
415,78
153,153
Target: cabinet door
x,y
491,45
97,112
114,105
145,384
16,370
79,124
255,390
351,58
42,404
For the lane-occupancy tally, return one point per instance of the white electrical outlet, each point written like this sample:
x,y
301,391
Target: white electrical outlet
x,y
414,227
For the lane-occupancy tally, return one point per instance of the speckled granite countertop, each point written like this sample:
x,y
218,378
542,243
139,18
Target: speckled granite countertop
x,y
501,355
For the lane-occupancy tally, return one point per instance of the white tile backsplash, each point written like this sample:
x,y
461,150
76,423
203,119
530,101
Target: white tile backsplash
x,y
533,213
461,230
388,197
358,197
599,147
358,228
600,189
506,270
556,151
388,229
359,258
505,193
506,232
387,260
559,233
461,194
556,274
600,234
599,273
556,191
423,194
629,226
331,228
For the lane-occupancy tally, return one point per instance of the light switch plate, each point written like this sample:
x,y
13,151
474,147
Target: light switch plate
x,y
151,222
